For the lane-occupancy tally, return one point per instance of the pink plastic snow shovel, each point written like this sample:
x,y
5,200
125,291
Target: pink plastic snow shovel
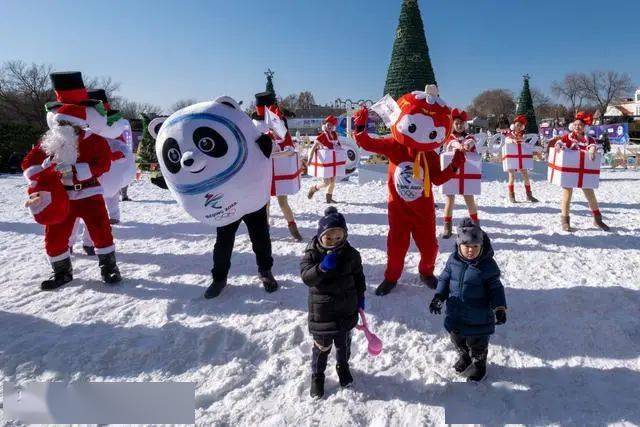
x,y
375,345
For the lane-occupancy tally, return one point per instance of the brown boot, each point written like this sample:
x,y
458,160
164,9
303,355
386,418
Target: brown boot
x,y
597,220
330,198
565,223
293,230
312,191
530,197
512,197
446,230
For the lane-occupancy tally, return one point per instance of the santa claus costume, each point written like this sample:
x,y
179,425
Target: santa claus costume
x,y
458,140
422,127
264,101
327,139
516,136
578,139
80,157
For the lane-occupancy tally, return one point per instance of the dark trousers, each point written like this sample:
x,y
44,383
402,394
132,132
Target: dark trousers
x,y
322,348
476,347
258,226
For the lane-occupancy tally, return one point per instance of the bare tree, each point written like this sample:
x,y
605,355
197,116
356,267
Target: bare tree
x,y
493,103
179,105
306,100
132,110
289,102
570,89
603,87
24,89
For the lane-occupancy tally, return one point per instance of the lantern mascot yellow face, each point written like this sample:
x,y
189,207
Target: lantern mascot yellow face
x,y
215,161
422,124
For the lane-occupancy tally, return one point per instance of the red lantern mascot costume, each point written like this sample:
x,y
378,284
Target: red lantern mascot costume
x,y
421,128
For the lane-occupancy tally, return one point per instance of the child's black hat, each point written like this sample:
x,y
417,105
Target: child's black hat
x,y
331,219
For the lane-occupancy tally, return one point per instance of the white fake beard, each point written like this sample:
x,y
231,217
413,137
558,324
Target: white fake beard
x,y
61,142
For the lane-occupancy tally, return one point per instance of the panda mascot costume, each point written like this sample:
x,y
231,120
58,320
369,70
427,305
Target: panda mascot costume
x,y
217,165
121,172
423,124
78,157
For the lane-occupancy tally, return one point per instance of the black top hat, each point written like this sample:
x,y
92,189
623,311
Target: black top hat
x,y
98,94
69,89
265,99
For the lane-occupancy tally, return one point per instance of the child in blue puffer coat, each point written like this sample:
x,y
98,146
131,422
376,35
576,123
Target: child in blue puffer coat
x,y
470,284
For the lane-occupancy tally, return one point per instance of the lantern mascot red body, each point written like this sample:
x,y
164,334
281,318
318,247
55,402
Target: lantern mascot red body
x,y
423,125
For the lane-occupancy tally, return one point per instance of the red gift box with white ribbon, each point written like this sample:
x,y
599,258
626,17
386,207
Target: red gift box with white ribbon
x,y
517,156
285,179
325,163
468,178
573,168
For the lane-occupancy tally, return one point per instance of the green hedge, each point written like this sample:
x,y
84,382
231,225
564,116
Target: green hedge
x,y
16,138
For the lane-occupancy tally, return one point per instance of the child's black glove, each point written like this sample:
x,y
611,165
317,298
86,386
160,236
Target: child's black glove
x,y
501,316
436,304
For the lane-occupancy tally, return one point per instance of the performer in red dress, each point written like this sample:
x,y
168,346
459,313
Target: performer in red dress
x,y
516,136
328,139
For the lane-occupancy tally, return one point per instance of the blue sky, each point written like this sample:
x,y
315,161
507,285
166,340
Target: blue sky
x,y
162,51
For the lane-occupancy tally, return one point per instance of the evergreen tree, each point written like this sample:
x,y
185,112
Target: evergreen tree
x,y
410,67
269,87
146,154
525,106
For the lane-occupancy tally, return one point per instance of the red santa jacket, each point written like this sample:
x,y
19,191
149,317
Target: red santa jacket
x,y
328,139
94,159
458,141
573,141
404,189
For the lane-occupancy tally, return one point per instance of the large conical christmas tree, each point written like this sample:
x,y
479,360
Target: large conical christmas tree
x,y
525,106
410,68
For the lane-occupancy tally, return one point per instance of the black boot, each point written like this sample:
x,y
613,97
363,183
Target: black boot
x,y
478,369
447,230
330,198
62,274
317,385
431,281
215,288
268,281
463,362
108,268
89,250
344,375
385,287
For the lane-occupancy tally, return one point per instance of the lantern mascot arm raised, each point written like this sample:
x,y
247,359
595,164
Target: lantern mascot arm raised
x,y
389,147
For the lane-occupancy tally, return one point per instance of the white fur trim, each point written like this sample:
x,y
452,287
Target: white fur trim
x,y
83,171
31,171
60,257
107,250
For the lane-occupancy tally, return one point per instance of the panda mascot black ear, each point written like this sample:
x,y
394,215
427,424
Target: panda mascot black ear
x,y
155,125
228,101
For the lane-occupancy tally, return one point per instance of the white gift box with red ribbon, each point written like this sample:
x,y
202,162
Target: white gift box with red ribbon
x,y
467,179
285,180
573,168
325,163
517,156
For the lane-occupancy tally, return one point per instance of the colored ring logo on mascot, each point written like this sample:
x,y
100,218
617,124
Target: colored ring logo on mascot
x,y
215,181
407,187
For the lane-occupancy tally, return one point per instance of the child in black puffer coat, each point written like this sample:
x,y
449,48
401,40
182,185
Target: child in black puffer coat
x,y
471,286
332,269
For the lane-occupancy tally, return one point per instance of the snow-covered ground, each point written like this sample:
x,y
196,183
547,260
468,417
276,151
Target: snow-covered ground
x,y
569,353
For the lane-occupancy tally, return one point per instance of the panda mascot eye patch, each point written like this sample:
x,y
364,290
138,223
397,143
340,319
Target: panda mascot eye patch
x,y
211,162
210,142
171,155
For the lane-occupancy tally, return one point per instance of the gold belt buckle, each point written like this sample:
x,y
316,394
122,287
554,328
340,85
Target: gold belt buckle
x,y
77,187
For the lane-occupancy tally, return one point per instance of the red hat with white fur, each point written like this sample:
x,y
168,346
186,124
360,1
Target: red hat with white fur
x,y
520,119
459,114
331,120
